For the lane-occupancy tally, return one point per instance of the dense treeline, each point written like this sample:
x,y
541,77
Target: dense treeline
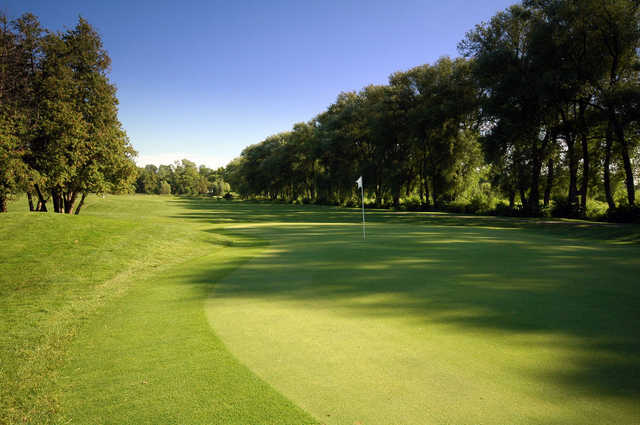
x,y
60,137
181,178
542,110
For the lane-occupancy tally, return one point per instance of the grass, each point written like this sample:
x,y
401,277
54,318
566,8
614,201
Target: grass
x,y
177,310
102,324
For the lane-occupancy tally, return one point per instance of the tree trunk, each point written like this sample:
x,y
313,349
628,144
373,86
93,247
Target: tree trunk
x,y
534,195
30,199
607,171
626,161
57,200
42,203
523,197
512,199
69,200
549,186
522,189
378,196
3,203
426,191
396,199
585,162
84,196
435,189
424,183
573,175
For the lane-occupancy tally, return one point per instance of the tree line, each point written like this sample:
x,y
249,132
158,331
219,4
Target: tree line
x,y
60,137
181,178
541,110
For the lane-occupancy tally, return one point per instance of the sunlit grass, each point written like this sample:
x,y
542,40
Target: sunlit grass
x,y
439,324
99,324
149,309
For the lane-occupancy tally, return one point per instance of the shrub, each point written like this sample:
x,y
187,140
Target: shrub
x,y
561,207
596,210
504,210
624,214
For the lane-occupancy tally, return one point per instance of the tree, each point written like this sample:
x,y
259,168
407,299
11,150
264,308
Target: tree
x,y
12,168
511,98
79,144
186,178
18,54
442,107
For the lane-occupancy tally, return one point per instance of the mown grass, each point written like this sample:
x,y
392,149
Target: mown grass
x,y
66,279
435,318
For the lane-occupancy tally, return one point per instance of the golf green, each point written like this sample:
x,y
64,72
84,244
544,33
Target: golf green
x,y
435,324
150,309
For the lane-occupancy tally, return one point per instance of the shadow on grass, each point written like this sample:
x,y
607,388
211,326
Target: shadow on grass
x,y
504,276
262,211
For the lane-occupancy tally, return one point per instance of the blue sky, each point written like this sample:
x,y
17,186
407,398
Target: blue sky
x,y
204,79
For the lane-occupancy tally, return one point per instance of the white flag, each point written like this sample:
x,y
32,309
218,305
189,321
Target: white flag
x,y
359,181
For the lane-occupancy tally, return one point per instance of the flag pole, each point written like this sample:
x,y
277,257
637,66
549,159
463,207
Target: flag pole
x,y
364,233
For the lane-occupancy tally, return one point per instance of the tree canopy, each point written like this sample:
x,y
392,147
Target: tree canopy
x,y
59,130
541,110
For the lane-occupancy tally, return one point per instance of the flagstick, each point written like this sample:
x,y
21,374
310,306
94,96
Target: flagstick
x,y
364,234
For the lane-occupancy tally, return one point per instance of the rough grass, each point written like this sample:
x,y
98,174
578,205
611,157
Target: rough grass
x,y
436,318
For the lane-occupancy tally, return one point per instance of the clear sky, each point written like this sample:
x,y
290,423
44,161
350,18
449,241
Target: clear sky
x,y
202,79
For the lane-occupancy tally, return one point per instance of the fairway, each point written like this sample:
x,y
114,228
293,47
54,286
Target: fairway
x,y
186,310
320,213
435,324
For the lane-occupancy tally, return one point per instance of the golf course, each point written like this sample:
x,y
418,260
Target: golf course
x,y
161,309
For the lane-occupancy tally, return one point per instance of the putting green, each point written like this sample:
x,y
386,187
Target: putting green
x,y
435,324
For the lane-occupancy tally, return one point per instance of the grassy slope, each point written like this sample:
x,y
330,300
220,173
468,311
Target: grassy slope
x,y
102,324
434,319
478,321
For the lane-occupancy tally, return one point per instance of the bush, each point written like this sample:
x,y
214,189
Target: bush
x,y
624,214
596,210
504,210
458,207
562,208
228,196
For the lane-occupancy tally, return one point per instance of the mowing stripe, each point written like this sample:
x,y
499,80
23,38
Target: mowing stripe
x,y
151,357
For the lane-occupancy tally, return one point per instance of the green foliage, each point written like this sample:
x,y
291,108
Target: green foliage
x,y
181,178
59,115
543,105
13,171
165,188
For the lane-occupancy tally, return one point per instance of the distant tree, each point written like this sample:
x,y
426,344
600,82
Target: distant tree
x,y
165,188
148,180
203,185
340,138
186,178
